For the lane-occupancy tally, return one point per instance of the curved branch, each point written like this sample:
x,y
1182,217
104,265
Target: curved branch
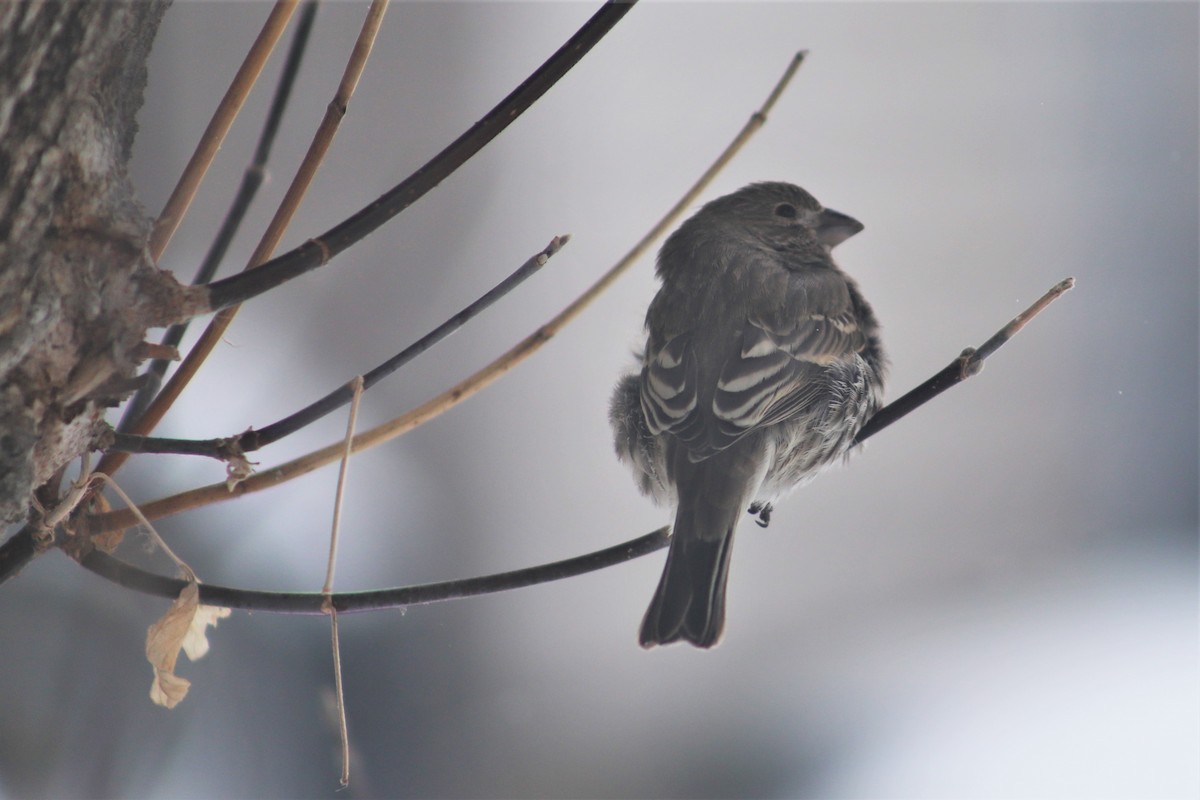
x,y
469,386
131,577
252,439
318,251
252,179
222,119
17,551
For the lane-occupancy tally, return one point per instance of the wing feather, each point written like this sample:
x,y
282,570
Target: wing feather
x,y
765,373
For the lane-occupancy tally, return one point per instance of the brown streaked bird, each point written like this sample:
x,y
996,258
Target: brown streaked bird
x,y
762,362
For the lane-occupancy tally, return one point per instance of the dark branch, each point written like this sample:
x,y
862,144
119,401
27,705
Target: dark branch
x,y
19,549
16,552
316,252
252,179
311,603
254,439
969,363
963,367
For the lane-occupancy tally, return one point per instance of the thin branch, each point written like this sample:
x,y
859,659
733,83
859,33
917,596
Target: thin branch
x,y
252,179
38,536
340,493
301,466
252,439
316,252
222,119
327,588
288,206
19,549
339,697
139,580
969,363
961,368
188,574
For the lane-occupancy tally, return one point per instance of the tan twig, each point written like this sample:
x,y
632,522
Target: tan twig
x,y
476,382
343,730
1020,321
356,386
222,119
188,574
327,589
74,496
270,238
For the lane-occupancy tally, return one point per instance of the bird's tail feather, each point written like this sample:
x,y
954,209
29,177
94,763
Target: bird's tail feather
x,y
689,603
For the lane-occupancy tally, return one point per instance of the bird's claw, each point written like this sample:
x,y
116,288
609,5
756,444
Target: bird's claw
x,y
763,512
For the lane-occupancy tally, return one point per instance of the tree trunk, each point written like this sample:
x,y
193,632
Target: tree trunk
x,y
76,292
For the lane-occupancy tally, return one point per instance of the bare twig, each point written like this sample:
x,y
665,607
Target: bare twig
x,y
316,252
357,389
270,238
327,588
73,497
206,150
474,383
340,699
10,553
349,602
961,368
254,439
319,251
188,575
968,363
252,179
37,537
18,550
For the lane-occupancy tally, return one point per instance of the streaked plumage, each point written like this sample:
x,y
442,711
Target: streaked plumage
x,y
762,361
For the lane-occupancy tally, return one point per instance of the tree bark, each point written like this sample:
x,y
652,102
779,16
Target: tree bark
x,y
77,293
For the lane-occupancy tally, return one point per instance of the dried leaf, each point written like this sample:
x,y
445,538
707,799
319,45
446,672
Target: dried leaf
x,y
237,469
163,640
183,626
195,643
168,688
237,466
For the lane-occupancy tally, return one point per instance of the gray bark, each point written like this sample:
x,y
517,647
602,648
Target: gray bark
x,y
76,292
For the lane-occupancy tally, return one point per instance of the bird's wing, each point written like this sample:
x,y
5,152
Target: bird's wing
x,y
670,389
774,370
780,368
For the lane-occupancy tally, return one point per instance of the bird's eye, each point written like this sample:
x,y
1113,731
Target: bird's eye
x,y
786,210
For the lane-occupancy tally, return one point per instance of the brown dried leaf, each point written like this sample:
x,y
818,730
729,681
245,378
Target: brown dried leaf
x,y
195,642
183,626
168,689
237,466
163,640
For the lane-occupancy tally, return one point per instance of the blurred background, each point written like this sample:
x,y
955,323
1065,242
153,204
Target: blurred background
x,y
997,598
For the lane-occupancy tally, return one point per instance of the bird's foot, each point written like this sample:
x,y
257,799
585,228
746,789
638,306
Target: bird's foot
x,y
763,512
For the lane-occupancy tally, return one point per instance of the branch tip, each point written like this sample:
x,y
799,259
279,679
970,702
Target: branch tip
x,y
1020,321
555,245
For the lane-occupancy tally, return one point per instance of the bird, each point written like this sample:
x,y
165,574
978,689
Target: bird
x,y
762,361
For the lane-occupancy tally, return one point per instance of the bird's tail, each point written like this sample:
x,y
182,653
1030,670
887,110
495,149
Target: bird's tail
x,y
689,603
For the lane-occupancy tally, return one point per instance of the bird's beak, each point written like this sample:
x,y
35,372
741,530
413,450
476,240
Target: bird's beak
x,y
834,227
